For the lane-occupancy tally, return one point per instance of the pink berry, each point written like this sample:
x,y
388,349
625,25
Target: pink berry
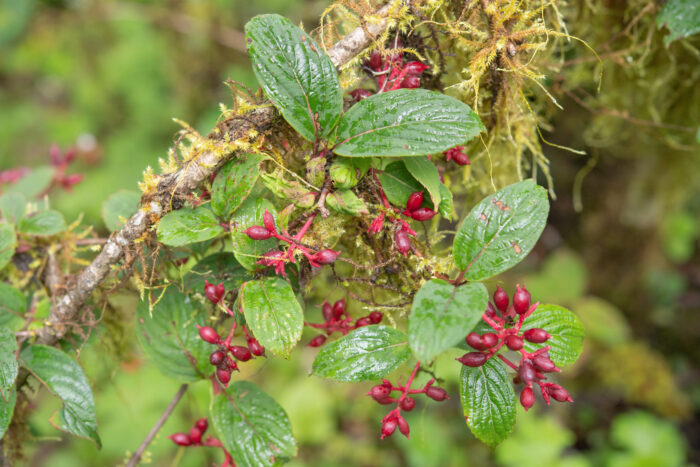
x,y
208,334
403,426
375,317
181,439
317,341
536,335
500,298
255,347
402,242
514,342
521,300
202,424
414,201
217,357
473,359
326,256
422,214
473,339
195,435
489,340
258,232
240,353
527,398
436,393
408,404
214,292
388,428
379,392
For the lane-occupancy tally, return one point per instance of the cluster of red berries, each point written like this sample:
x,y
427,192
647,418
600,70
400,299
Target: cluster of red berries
x,y
278,258
337,319
457,154
60,163
382,394
225,356
214,292
532,366
194,438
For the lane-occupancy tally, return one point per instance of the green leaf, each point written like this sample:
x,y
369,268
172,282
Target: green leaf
x,y
446,207
427,174
64,377
8,362
216,268
488,400
12,207
253,428
347,171
273,314
564,327
34,183
347,202
246,250
8,243
681,17
7,409
406,122
398,183
501,230
234,183
42,223
170,338
367,353
295,73
12,304
119,207
188,225
442,315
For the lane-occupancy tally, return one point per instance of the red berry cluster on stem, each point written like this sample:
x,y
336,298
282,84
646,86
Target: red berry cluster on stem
x,y
507,320
382,394
194,438
337,319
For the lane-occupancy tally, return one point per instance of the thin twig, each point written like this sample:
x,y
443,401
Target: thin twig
x,y
136,457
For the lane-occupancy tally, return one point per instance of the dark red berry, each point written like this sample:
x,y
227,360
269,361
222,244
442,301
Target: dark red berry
x,y
269,221
536,335
500,298
317,341
414,201
375,317
326,256
388,428
327,311
521,300
490,312
216,357
403,426
359,94
224,375
526,371
473,359
415,67
436,393
202,424
514,342
258,232
402,242
255,347
208,334
362,322
473,339
339,308
379,392
543,363
489,340
181,439
410,82
560,394
374,61
214,292
422,214
527,398
408,404
460,158
195,435
240,353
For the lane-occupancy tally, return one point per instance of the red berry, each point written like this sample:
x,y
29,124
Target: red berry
x,y
543,363
560,394
422,214
473,339
359,94
339,308
375,317
408,404
327,311
196,435
527,398
403,426
514,342
526,371
410,82
224,375
436,393
402,242
216,357
490,312
317,341
208,334
489,340
473,359
240,353
214,292
388,428
414,201
258,232
202,424
521,300
255,347
415,67
180,439
536,335
379,392
460,158
500,298
269,221
362,322
374,61
326,256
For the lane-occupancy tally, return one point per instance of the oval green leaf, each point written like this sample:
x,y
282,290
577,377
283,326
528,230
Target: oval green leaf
x,y
8,243
273,314
12,207
34,183
442,315
188,225
233,183
7,409
65,378
398,183
367,353
295,73
12,306
8,362
42,223
406,122
488,400
119,207
253,428
170,338
347,202
427,174
564,327
500,231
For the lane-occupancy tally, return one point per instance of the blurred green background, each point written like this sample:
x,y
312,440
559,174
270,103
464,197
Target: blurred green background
x,y
108,77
